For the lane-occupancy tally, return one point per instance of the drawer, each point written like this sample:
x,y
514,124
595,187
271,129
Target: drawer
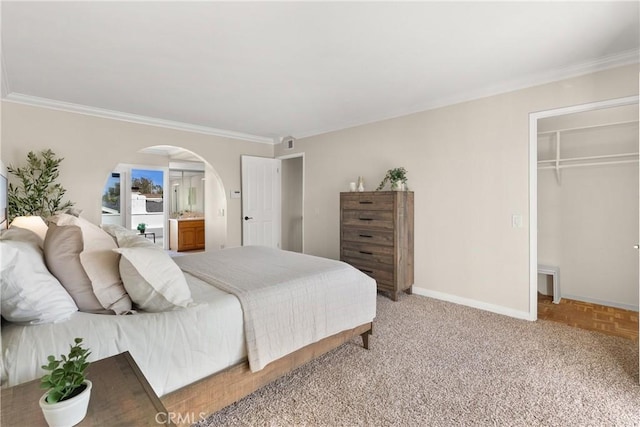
x,y
366,201
371,254
193,223
384,278
378,237
368,218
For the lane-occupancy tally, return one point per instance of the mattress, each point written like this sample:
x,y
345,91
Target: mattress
x,y
173,349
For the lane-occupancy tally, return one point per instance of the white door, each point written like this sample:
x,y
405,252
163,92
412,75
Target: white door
x,y
261,205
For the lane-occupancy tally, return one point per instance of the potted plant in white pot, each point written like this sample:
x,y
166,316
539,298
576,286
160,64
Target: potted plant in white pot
x,y
67,399
397,177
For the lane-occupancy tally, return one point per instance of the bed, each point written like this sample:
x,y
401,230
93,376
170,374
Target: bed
x,y
221,346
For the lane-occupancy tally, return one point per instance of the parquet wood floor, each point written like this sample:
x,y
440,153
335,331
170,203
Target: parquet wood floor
x,y
594,317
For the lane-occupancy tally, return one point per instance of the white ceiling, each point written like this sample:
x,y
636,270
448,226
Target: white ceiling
x,y
266,70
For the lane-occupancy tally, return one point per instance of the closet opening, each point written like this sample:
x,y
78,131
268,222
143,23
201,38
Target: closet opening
x,y
584,215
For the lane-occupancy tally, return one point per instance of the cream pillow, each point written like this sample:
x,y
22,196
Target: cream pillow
x,y
62,247
29,293
100,263
135,241
115,230
153,280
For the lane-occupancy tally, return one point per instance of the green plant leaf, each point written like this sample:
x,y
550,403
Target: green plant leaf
x,y
35,191
67,373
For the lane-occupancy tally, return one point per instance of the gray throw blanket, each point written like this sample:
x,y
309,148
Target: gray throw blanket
x,y
289,300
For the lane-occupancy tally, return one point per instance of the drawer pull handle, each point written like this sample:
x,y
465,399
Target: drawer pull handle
x,y
366,253
366,271
366,202
366,219
366,235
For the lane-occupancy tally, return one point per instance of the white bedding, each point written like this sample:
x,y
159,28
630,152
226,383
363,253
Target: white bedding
x,y
199,341
314,298
289,300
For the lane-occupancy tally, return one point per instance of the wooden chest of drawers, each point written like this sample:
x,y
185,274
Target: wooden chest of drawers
x,y
376,237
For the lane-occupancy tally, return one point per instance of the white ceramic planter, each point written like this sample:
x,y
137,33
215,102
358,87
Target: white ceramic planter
x,y
397,186
69,412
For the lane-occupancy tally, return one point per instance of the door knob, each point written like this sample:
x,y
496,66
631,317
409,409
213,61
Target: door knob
x,y
636,246
247,218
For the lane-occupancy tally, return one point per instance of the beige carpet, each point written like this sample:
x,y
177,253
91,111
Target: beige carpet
x,y
434,363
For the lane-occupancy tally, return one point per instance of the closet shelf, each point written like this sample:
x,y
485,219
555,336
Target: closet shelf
x,y
558,163
580,128
607,159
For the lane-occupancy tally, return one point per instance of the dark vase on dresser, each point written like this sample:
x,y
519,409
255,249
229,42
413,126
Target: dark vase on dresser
x,y
376,237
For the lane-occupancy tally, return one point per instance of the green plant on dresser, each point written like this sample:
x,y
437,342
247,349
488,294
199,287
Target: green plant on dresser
x,y
395,177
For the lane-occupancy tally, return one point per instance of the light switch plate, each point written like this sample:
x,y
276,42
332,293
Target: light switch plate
x,y
516,221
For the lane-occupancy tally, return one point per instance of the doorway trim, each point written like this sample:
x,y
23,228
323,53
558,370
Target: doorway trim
x,y
533,183
304,174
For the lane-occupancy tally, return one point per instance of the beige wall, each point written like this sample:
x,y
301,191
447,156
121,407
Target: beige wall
x,y
468,165
93,146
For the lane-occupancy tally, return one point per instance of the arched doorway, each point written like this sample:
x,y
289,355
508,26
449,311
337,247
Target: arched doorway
x,y
203,196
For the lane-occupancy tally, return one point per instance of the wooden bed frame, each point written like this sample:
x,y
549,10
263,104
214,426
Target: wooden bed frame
x,y
210,394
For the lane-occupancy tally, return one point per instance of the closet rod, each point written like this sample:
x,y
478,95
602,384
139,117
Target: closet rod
x,y
604,156
589,127
576,165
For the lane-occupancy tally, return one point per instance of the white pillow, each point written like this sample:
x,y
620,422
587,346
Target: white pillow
x,y
100,263
135,241
30,294
21,235
153,280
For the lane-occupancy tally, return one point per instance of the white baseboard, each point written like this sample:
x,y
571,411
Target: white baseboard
x,y
524,315
601,302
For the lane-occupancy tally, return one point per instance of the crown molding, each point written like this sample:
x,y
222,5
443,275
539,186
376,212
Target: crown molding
x,y
612,61
19,98
604,63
